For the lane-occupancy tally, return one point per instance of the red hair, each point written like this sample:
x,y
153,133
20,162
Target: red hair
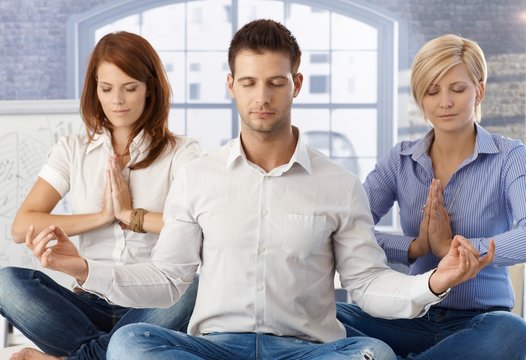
x,y
137,58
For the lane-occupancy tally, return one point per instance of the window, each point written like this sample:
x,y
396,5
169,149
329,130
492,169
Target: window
x,y
194,67
195,91
319,58
342,101
319,84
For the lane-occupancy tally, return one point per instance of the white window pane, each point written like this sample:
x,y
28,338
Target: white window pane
x,y
208,25
310,26
315,67
354,77
174,64
314,125
177,121
360,127
211,127
129,24
164,27
249,10
311,119
335,145
350,34
210,78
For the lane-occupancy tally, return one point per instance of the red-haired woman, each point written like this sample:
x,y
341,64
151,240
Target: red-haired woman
x,y
117,177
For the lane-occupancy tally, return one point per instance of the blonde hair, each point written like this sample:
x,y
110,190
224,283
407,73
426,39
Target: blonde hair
x,y
439,55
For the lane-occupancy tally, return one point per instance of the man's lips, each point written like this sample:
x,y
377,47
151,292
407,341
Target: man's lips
x,y
262,113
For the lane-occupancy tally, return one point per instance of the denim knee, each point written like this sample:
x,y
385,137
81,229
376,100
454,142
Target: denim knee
x,y
125,341
502,322
363,348
9,283
505,330
377,350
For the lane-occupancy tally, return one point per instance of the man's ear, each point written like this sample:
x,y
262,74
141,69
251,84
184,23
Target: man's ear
x,y
230,84
298,81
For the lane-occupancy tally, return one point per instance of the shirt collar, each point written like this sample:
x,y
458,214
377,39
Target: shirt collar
x,y
99,139
139,142
300,156
484,144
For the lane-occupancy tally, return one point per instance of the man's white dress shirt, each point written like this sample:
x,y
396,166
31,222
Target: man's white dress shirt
x,y
268,245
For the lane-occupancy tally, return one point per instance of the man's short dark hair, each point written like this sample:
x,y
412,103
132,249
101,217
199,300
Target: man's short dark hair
x,y
265,35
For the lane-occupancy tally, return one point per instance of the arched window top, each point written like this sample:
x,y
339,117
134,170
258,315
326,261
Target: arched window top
x,y
188,25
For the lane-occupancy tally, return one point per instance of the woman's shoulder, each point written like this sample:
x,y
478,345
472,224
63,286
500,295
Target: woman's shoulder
x,y
504,143
73,141
183,141
185,144
500,148
185,148
499,144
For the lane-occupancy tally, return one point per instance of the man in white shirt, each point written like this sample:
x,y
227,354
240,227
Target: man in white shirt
x,y
268,220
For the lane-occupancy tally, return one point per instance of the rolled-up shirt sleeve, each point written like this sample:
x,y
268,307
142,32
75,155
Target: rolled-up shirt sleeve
x,y
56,170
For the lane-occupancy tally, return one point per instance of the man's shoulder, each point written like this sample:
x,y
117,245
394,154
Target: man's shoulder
x,y
214,158
324,166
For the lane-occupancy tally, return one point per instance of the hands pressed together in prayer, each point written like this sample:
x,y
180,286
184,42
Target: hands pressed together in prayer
x,y
435,232
460,260
117,197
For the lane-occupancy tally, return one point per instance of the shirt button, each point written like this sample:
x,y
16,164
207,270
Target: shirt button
x,y
260,287
265,212
261,250
260,322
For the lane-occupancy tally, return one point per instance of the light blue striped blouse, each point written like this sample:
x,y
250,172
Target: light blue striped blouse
x,y
485,197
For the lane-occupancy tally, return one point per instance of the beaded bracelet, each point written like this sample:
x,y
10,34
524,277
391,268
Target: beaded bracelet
x,y
137,220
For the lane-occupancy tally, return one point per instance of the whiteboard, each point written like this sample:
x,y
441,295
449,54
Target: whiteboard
x,y
28,130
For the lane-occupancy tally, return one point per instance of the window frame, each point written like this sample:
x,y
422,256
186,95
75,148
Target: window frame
x,y
81,36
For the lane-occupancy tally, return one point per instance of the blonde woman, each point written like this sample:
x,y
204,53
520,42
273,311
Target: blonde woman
x,y
458,179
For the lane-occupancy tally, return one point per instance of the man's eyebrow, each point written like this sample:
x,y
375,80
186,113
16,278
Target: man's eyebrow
x,y
283,77
246,78
279,77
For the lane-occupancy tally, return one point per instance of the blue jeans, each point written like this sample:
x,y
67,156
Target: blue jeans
x,y
79,325
145,341
445,333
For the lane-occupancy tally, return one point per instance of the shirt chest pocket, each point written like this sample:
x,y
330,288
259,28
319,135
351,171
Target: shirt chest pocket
x,y
303,235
